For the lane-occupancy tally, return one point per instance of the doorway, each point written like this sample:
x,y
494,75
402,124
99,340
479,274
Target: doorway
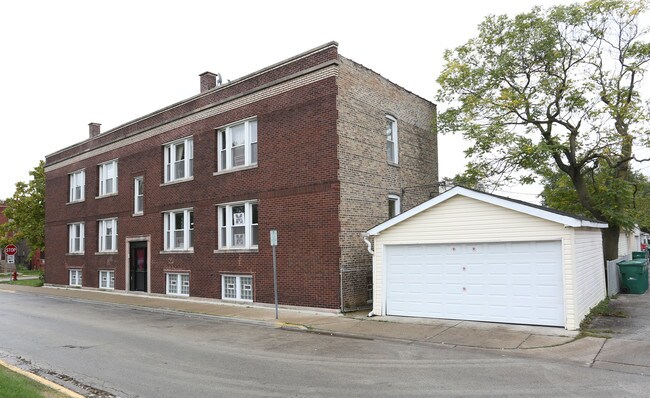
x,y
138,266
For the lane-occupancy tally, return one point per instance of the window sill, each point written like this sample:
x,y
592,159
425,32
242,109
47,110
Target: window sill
x,y
75,254
179,181
177,251
107,288
251,250
105,253
75,202
106,196
137,214
233,170
393,164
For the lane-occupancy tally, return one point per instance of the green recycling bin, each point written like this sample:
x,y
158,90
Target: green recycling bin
x,y
639,255
634,276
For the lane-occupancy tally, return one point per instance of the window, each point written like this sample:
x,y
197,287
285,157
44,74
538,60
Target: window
x,y
238,226
394,207
237,287
107,279
237,145
77,182
108,178
138,195
391,139
179,230
75,277
76,238
178,284
179,160
108,235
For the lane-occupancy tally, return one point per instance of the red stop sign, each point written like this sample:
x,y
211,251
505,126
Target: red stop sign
x,y
10,250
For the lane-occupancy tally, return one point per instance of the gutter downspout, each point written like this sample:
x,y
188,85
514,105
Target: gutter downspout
x,y
365,237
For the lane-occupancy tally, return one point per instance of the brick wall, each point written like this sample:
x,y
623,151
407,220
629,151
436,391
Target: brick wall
x,y
366,177
295,184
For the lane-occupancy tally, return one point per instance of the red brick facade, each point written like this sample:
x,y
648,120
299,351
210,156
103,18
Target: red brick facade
x,y
295,185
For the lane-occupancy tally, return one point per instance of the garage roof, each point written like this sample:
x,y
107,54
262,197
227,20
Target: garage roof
x,y
546,213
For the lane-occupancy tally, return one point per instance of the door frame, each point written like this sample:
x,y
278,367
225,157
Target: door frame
x,y
127,263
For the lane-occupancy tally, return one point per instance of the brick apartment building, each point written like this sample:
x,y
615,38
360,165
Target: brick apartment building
x,y
181,201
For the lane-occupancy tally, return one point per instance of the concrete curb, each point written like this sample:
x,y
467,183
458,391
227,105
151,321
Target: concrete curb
x,y
42,380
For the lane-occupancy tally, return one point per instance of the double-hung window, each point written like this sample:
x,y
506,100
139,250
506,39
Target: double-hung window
x,y
394,206
107,279
178,284
237,145
108,235
75,277
108,178
179,160
77,183
238,226
237,287
179,230
76,238
138,195
391,139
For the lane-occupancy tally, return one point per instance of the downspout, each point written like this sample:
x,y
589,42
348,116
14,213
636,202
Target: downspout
x,y
365,237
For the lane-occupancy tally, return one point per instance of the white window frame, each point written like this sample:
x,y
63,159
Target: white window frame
x,y
187,229
77,186
172,166
398,204
105,176
76,233
224,145
138,195
177,284
225,226
75,277
392,153
107,279
242,291
104,226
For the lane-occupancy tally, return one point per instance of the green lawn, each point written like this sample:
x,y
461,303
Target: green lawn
x,y
14,385
25,282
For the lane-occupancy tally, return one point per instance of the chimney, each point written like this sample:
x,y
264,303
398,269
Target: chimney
x,y
209,80
94,129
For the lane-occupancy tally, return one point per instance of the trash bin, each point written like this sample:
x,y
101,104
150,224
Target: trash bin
x,y
634,276
639,255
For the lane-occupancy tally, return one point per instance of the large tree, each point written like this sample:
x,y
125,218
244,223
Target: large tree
x,y
26,212
555,91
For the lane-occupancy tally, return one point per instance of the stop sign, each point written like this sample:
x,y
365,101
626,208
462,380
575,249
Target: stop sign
x,y
10,250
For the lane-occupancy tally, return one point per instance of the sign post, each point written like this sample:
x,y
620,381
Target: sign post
x,y
274,243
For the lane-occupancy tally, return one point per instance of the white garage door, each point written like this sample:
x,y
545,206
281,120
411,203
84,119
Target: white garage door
x,y
511,282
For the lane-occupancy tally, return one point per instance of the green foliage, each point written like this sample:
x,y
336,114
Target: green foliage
x,y
26,212
552,95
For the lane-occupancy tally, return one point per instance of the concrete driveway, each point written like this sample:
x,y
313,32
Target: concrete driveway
x,y
628,348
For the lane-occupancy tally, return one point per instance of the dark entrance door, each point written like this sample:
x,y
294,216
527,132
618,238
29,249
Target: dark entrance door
x,y
138,267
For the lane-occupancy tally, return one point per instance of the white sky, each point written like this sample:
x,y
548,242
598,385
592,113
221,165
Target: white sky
x,y
65,63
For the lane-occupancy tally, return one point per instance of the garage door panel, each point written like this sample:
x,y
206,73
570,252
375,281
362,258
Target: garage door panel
x,y
501,282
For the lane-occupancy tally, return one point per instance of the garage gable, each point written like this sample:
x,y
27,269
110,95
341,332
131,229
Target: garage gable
x,y
498,201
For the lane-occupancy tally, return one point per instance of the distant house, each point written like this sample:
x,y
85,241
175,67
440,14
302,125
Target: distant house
x,y
181,201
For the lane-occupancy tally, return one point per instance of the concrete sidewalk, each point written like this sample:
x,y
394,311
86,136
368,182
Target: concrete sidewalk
x,y
448,332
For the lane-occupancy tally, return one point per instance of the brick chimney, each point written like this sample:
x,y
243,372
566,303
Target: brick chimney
x,y
94,129
208,81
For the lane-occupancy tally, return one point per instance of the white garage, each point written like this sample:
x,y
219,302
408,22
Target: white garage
x,y
469,255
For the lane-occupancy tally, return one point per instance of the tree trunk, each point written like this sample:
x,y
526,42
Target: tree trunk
x,y
610,242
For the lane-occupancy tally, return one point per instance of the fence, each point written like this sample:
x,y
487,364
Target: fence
x,y
613,276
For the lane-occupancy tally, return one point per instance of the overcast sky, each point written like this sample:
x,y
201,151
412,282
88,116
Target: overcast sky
x,y
64,63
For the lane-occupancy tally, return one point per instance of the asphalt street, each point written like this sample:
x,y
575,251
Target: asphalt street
x,y
108,350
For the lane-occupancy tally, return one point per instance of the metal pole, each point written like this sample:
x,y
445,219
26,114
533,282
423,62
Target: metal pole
x,y
275,284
